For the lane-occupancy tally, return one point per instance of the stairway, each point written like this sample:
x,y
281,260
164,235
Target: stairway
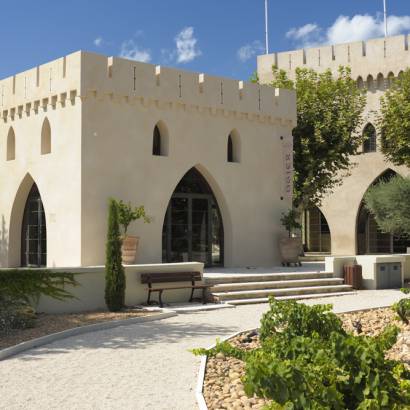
x,y
240,289
314,256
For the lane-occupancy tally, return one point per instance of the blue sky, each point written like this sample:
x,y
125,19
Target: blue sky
x,y
219,37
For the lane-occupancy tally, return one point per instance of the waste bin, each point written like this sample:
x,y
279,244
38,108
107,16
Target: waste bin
x,y
353,275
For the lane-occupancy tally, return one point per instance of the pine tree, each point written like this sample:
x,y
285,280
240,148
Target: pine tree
x,y
114,271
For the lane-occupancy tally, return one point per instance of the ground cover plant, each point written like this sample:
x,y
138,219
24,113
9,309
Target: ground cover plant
x,y
306,360
20,290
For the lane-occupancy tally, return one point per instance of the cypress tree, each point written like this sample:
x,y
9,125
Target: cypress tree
x,y
114,271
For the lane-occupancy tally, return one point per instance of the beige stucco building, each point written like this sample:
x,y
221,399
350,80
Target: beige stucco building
x,y
208,157
343,226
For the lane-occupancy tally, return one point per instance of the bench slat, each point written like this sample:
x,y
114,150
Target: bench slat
x,y
170,277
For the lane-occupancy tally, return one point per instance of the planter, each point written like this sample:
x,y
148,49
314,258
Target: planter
x,y
290,250
129,249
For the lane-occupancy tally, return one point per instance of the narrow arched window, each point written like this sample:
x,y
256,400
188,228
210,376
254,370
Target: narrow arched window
x,y
160,140
11,145
46,138
230,149
234,147
370,84
156,143
369,138
380,81
390,79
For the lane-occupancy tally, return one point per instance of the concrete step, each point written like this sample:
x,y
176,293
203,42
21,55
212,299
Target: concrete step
x,y
277,284
264,293
314,257
263,277
292,297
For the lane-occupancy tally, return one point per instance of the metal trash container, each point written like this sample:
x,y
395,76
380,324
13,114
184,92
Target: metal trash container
x,y
353,275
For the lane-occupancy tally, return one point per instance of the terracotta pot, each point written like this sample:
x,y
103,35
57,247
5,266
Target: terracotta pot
x,y
129,249
290,250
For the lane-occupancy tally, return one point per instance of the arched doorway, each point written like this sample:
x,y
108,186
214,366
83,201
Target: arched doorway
x,y
34,231
370,239
316,231
193,228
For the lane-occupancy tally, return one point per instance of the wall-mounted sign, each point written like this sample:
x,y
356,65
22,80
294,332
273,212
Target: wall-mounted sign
x,y
287,158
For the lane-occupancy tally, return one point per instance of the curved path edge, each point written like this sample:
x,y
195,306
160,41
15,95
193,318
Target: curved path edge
x,y
30,344
199,391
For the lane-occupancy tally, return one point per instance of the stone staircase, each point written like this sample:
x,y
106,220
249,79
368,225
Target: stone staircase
x,y
242,288
314,256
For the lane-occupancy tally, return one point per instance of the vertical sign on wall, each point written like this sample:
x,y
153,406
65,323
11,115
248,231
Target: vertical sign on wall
x,y
287,158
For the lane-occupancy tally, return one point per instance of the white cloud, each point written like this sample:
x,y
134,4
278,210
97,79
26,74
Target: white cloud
x,y
131,50
98,41
346,29
248,51
186,46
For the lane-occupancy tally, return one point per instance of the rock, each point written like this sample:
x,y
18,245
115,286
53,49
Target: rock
x,y
220,356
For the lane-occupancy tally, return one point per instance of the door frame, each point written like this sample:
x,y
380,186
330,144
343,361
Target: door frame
x,y
211,201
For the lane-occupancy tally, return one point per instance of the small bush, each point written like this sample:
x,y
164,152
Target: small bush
x,y
15,315
295,319
22,288
402,308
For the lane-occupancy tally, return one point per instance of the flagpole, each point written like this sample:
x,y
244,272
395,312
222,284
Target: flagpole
x,y
266,27
385,18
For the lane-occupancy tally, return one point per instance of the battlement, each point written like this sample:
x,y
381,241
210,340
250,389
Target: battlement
x,y
89,75
385,56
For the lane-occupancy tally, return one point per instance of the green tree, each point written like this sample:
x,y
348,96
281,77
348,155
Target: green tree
x,y
329,112
389,202
114,271
394,120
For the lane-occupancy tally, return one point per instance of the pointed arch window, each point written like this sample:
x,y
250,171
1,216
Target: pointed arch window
x,y
360,83
46,138
233,147
380,81
160,140
11,145
370,82
369,138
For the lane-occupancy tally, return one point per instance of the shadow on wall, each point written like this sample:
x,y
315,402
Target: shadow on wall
x,y
4,243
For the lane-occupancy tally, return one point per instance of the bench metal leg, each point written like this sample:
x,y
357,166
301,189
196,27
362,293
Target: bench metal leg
x,y
149,297
192,295
204,296
160,299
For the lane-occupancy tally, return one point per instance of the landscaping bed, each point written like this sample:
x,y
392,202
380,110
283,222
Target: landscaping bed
x,y
223,387
46,324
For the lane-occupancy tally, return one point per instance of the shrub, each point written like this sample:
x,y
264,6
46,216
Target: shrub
x,y
15,315
21,288
295,319
114,271
307,361
402,308
128,214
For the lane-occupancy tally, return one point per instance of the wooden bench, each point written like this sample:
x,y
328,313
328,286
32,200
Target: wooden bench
x,y
171,277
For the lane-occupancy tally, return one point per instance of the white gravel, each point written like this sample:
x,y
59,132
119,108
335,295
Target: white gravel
x,y
141,366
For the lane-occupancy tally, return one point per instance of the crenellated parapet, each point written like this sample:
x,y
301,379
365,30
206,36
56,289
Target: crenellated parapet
x,y
383,57
85,76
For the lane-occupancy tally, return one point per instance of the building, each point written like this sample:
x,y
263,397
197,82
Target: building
x,y
208,157
342,226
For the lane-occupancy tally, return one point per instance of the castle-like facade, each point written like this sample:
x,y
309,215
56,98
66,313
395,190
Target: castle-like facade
x,y
342,225
208,157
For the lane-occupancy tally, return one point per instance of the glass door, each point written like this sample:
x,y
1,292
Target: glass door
x,y
34,232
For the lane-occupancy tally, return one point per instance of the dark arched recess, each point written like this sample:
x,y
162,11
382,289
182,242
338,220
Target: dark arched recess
x,y
193,227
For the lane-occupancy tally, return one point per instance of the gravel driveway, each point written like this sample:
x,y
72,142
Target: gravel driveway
x,y
142,366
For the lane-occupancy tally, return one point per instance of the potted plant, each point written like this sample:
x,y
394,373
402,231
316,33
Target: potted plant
x,y
127,214
291,245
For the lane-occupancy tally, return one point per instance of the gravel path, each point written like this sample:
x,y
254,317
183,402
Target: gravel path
x,y
138,367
